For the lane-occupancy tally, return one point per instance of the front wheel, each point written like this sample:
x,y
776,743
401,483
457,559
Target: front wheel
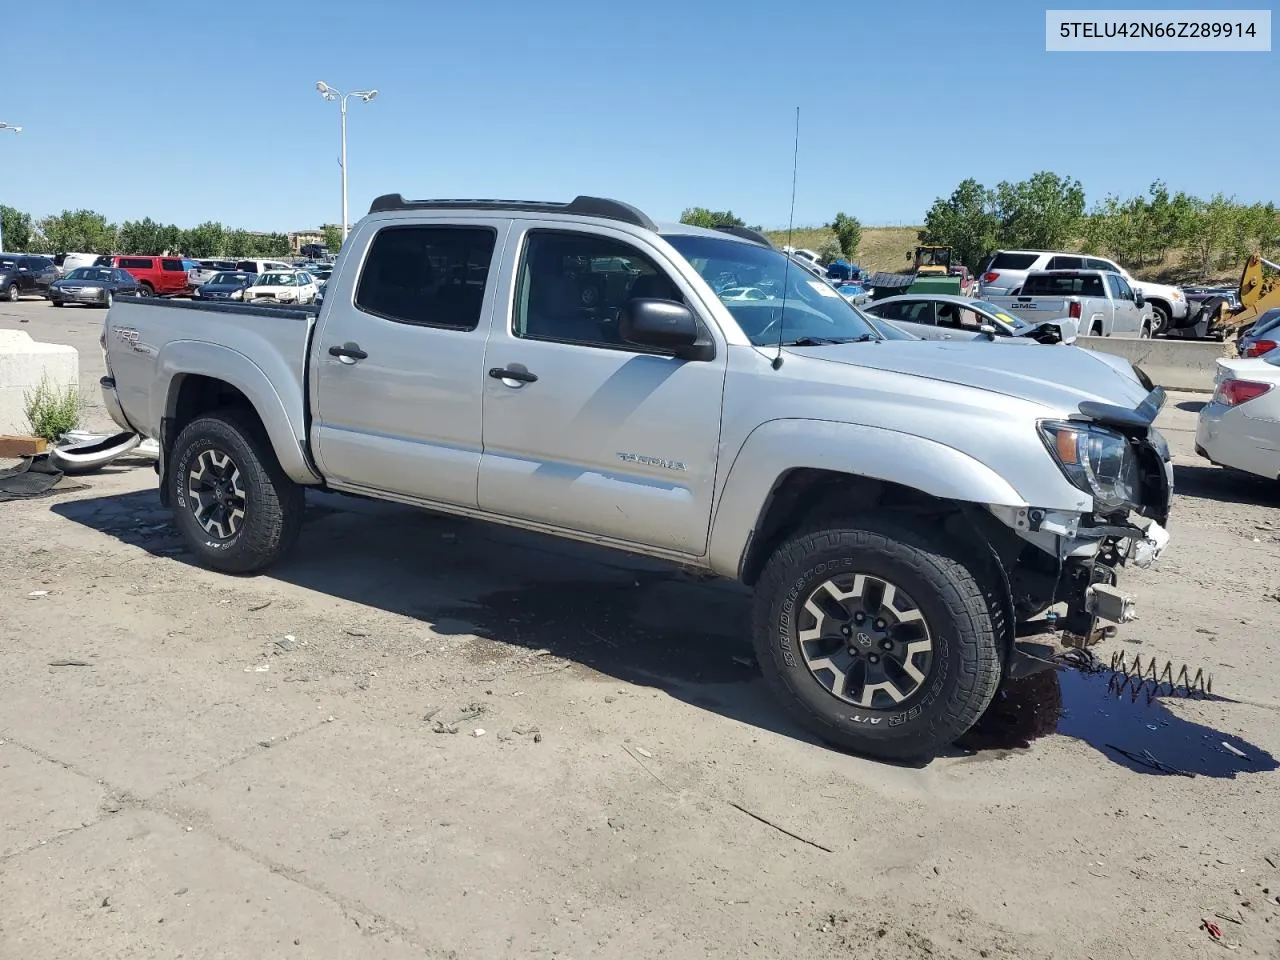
x,y
235,506
12,293
1159,320
877,636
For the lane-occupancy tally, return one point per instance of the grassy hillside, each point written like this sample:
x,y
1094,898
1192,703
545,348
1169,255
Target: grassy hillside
x,y
882,248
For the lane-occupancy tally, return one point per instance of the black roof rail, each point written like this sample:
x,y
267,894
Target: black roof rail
x,y
746,233
581,206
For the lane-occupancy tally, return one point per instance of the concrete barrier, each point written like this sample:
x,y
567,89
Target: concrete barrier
x,y
1172,364
23,362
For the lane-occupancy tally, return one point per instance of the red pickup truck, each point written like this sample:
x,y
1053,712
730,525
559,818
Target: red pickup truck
x,y
157,276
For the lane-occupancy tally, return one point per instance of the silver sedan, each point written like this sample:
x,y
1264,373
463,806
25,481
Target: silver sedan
x,y
941,316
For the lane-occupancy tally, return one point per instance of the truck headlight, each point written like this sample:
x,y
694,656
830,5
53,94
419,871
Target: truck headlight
x,y
1097,460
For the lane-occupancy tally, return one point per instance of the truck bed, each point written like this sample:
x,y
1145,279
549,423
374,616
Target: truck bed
x,y
152,345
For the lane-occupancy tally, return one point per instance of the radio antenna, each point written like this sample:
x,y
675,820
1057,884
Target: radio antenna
x,y
791,220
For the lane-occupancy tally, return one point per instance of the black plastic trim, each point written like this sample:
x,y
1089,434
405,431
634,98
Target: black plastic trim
x,y
582,206
746,233
1140,418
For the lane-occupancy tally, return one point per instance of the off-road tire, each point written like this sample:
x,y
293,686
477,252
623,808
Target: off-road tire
x,y
945,585
273,504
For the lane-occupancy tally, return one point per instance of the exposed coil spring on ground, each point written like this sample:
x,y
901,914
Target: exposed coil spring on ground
x,y
1148,678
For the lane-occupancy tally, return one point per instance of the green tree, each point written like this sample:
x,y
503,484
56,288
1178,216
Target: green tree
x,y
702,217
238,244
16,229
170,238
209,239
965,222
1043,212
848,231
80,231
1208,232
332,237
140,236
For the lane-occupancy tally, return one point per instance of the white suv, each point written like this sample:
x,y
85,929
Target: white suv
x,y
1007,269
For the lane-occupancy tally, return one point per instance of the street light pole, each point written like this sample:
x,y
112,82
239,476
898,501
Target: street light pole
x,y
9,126
329,93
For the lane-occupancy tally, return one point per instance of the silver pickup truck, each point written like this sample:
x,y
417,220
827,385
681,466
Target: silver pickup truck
x,y
909,513
1102,302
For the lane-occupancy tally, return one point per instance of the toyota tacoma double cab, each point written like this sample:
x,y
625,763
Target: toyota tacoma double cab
x,y
912,515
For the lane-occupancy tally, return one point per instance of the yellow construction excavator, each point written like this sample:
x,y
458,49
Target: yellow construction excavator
x,y
1258,292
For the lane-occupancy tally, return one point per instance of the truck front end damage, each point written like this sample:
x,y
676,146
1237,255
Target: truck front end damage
x,y
1062,567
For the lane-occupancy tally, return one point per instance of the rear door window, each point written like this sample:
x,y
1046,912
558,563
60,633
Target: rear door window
x,y
1093,263
429,276
919,311
136,263
1012,261
1061,262
172,265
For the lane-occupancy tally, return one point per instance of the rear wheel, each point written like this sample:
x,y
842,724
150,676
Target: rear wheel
x,y
56,303
1097,329
235,506
877,636
12,293
146,290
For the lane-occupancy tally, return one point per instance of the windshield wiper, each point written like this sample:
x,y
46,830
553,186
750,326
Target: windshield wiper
x,y
827,341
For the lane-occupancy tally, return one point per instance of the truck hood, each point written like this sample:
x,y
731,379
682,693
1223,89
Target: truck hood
x,y
1058,377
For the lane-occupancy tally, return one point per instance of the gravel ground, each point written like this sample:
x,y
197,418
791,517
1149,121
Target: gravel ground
x,y
424,737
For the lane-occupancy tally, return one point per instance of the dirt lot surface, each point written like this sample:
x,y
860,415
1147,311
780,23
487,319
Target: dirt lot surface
x,y
424,737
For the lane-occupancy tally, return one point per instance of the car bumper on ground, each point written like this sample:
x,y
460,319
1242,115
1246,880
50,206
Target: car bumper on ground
x,y
1227,437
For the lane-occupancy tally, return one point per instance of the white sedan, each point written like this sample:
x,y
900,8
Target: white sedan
x,y
1240,426
279,286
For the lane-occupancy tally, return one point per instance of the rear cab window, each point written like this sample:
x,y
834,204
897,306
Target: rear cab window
x,y
1063,285
136,263
1013,261
431,276
172,265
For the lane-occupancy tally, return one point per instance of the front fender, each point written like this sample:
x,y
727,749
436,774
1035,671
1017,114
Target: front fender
x,y
287,432
779,446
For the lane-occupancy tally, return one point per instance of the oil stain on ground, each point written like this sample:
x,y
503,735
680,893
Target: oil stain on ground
x,y
1129,724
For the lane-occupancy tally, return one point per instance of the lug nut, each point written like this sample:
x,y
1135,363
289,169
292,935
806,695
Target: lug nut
x,y
859,617
880,624
873,658
886,644
846,631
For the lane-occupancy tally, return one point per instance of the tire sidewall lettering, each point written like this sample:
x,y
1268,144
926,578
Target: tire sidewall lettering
x,y
181,471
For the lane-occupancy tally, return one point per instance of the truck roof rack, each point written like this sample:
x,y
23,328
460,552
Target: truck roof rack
x,y
746,233
581,206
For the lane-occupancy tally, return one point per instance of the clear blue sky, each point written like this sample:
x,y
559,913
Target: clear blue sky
x,y
663,104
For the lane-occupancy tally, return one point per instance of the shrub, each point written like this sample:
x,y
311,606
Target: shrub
x,y
52,411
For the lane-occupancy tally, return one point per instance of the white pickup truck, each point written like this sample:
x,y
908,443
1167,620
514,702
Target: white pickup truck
x,y
1101,302
905,510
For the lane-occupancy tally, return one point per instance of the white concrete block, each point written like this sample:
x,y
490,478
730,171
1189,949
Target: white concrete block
x,y
23,362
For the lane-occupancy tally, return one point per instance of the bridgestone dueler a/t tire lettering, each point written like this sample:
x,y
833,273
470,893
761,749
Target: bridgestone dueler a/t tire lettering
x,y
273,503
965,670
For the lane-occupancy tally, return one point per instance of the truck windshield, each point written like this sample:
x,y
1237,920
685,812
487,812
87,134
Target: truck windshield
x,y
796,306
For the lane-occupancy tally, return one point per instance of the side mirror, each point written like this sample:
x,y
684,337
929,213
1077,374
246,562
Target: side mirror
x,y
1139,299
664,325
989,330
